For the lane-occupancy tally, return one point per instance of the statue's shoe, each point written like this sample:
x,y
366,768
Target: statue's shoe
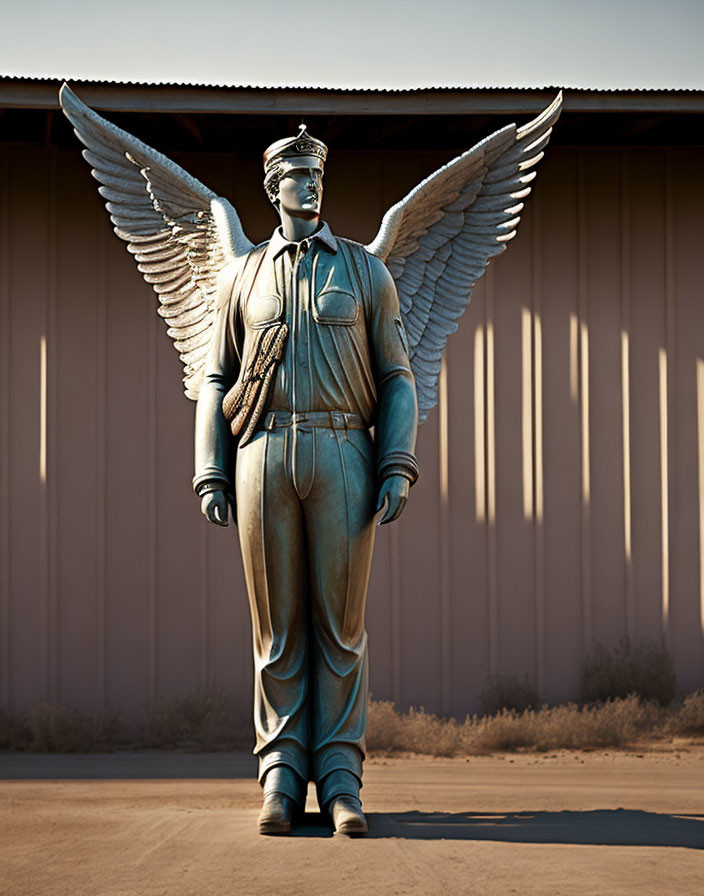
x,y
276,814
347,816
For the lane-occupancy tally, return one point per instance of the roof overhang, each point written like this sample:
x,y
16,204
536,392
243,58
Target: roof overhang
x,y
28,93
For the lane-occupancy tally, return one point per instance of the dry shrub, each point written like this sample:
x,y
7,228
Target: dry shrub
x,y
689,717
645,670
612,724
507,692
52,728
205,718
417,731
15,733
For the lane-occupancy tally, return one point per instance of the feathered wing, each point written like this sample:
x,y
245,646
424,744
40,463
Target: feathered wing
x,y
181,233
438,240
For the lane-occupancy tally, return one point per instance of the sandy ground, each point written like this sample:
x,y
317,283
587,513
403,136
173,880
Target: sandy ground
x,y
152,824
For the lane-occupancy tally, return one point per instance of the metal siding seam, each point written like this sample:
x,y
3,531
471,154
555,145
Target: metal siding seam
x,y
582,305
395,570
445,559
151,499
626,389
492,570
203,614
101,401
5,399
43,643
479,425
538,532
670,322
699,368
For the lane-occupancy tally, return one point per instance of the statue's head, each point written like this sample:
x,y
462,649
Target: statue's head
x,y
293,174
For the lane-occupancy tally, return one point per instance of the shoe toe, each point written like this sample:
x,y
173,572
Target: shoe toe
x,y
276,814
348,818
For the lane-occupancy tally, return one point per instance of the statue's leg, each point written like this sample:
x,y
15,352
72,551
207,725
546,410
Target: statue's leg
x,y
339,520
271,532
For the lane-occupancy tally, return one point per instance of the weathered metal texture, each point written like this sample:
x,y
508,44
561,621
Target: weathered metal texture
x,y
545,516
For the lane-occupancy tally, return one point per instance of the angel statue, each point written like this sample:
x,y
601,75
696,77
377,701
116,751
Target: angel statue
x,y
294,349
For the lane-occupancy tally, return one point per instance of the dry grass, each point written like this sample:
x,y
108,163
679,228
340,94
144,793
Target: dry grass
x,y
51,728
206,720
615,723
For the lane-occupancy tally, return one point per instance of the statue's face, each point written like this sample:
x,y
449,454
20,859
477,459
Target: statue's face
x,y
301,191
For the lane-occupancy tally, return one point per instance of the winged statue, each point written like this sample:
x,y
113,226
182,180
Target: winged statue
x,y
295,350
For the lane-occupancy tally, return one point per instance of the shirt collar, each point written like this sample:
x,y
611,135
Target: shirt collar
x,y
278,241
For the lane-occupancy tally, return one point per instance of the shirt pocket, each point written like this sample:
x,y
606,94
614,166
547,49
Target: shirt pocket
x,y
263,310
333,305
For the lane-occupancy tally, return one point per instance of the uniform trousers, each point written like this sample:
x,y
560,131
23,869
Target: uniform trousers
x,y
305,504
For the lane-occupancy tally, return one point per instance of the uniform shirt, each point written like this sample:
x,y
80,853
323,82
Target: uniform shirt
x,y
346,348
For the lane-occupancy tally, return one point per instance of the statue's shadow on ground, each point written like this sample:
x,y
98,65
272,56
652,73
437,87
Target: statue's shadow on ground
x,y
601,827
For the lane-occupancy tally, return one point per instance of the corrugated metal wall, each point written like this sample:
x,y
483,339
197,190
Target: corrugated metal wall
x,y
562,491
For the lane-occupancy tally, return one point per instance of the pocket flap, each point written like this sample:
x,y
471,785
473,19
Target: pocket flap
x,y
263,310
336,306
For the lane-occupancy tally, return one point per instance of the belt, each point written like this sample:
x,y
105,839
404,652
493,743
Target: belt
x,y
327,419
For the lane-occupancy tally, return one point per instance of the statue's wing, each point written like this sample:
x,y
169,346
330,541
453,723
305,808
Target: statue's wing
x,y
181,233
438,241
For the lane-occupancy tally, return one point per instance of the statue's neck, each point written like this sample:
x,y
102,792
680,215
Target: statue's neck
x,y
297,229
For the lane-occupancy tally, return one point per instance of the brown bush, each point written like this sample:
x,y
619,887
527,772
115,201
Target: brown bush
x,y
15,733
417,731
612,724
205,718
645,670
508,692
52,728
689,718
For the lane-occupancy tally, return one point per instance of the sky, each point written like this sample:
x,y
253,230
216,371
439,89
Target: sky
x,y
360,43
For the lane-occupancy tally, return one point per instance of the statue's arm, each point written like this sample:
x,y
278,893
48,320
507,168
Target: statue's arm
x,y
397,409
213,441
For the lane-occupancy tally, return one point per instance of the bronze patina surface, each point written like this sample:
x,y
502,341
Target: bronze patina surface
x,y
295,349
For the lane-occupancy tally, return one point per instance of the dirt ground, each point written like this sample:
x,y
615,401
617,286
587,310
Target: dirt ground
x,y
152,824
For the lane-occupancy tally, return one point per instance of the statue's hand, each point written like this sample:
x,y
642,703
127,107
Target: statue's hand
x,y
214,507
393,493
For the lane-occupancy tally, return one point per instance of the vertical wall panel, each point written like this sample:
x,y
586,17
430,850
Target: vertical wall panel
x,y
101,449
5,438
419,531
514,468
537,447
29,250
72,461
647,341
602,182
127,484
561,426
467,531
687,521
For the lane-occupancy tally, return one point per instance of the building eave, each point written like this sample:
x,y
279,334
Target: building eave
x,y
29,93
